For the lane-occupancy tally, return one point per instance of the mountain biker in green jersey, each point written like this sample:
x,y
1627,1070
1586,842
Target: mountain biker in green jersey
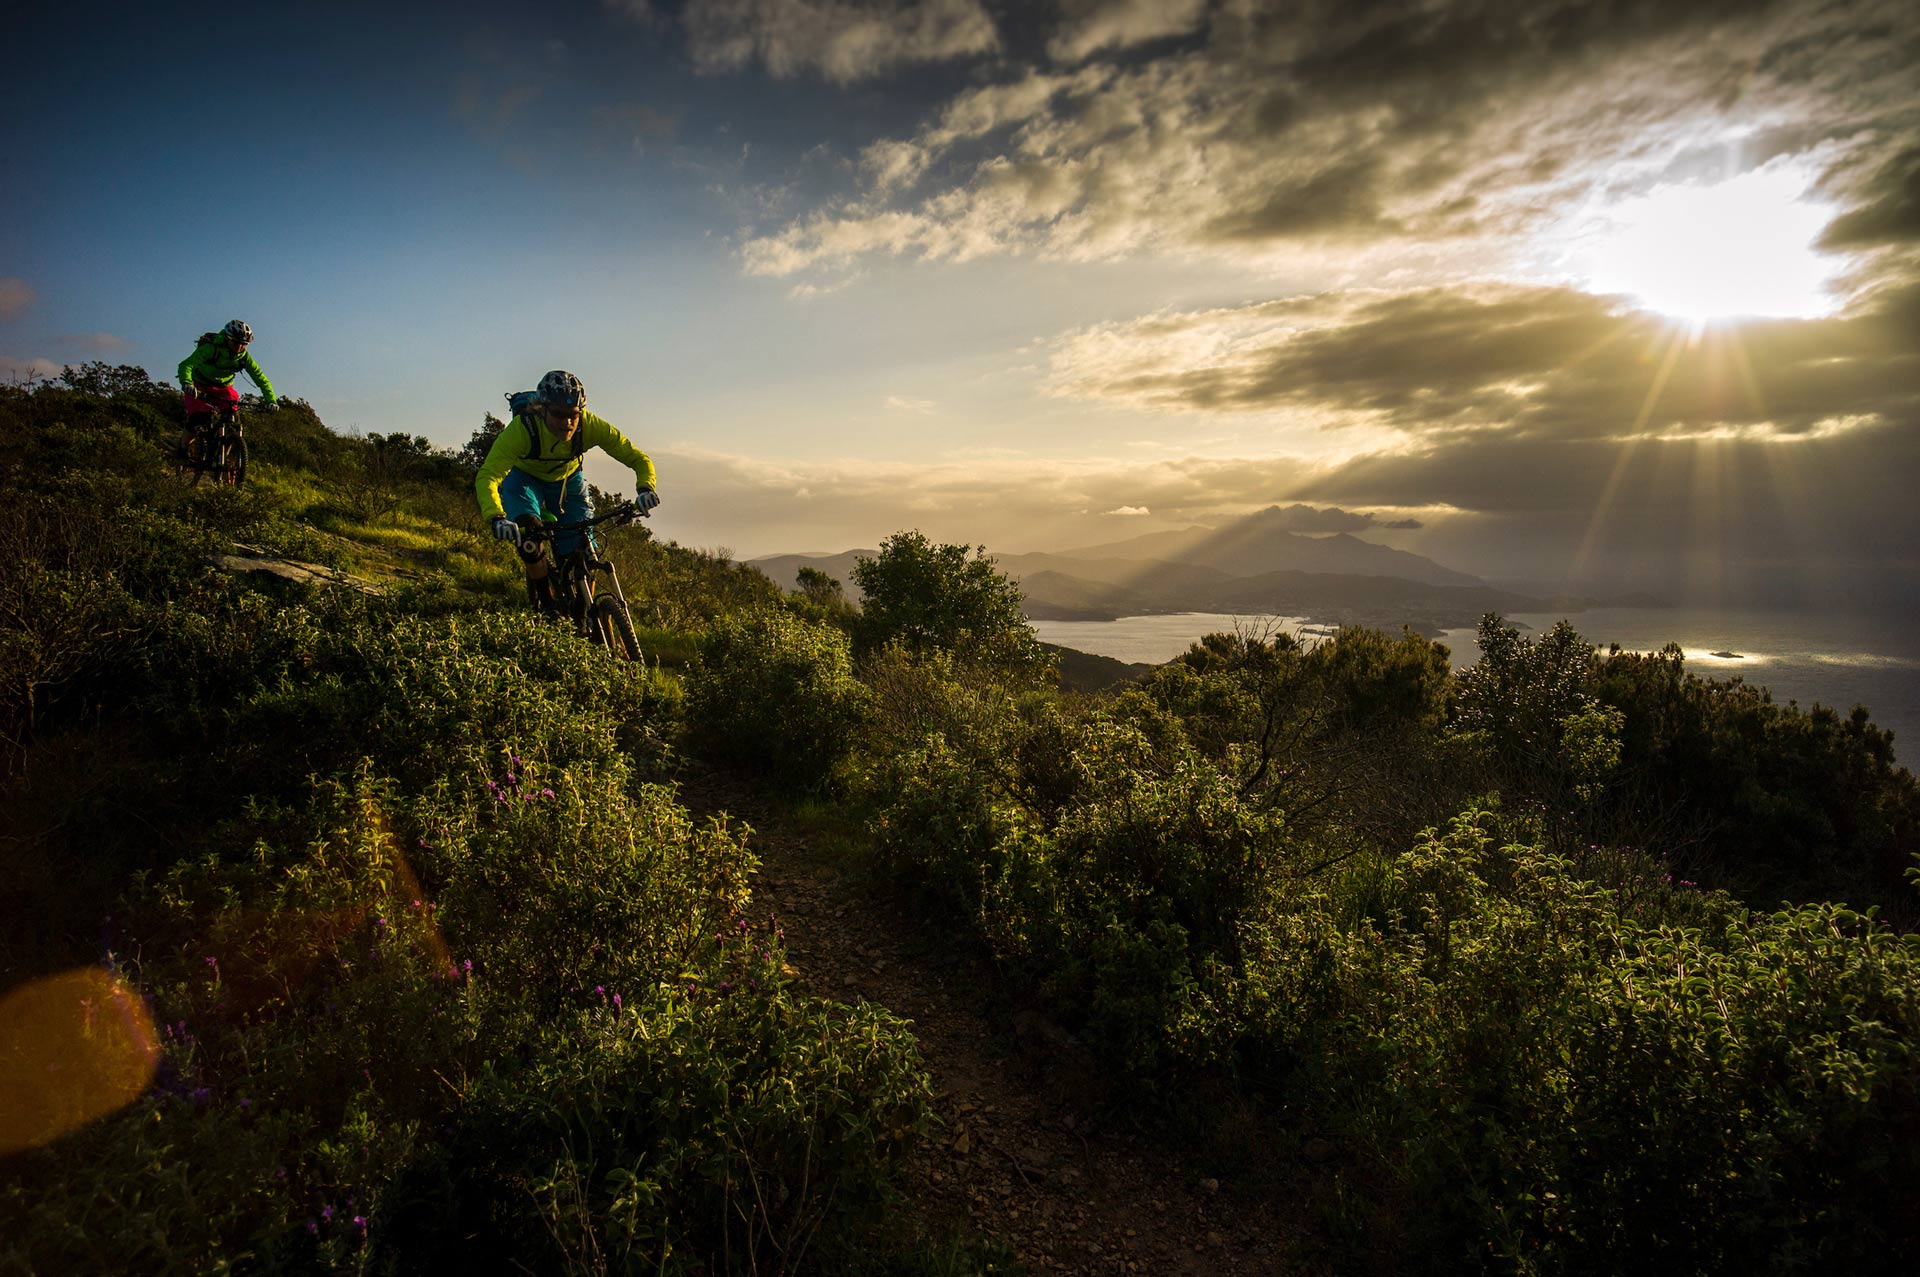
x,y
532,474
206,376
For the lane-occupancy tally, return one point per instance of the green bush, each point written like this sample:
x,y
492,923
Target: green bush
x,y
778,694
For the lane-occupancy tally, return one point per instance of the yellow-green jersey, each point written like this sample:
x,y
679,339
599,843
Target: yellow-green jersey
x,y
527,445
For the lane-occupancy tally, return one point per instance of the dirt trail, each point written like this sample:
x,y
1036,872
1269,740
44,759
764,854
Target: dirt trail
x,y
1022,1157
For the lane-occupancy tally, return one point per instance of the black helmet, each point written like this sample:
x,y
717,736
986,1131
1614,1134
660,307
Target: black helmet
x,y
563,388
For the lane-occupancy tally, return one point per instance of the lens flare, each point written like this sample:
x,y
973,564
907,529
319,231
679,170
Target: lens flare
x,y
74,1047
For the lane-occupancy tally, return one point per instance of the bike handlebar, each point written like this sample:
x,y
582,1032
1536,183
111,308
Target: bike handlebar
x,y
625,513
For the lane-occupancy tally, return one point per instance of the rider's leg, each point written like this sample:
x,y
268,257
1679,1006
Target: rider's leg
x,y
525,500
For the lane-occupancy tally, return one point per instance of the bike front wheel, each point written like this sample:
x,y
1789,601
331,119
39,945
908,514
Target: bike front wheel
x,y
235,472
614,628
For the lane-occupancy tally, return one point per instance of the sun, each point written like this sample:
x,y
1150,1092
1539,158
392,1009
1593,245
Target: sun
x,y
1701,252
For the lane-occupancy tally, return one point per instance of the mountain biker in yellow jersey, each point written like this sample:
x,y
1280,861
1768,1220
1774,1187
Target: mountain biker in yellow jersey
x,y
206,376
532,474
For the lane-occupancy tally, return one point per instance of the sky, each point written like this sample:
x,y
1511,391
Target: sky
x,y
1584,296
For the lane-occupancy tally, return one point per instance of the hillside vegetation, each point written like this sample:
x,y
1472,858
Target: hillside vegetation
x,y
364,929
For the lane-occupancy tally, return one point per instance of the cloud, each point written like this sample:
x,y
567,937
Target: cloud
x,y
634,123
15,296
1512,360
1889,211
1403,135
839,40
1129,511
900,403
93,343
1093,25
633,10
1313,520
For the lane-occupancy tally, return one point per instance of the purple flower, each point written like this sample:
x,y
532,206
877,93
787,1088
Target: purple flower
x,y
416,904
280,1173
511,779
379,922
468,965
360,1222
616,1002
313,1228
213,962
546,793
421,841
600,989
246,1105
201,1094
725,984
326,1213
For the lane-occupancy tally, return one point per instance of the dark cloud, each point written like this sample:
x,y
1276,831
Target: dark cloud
x,y
1311,519
1398,124
1890,209
1517,361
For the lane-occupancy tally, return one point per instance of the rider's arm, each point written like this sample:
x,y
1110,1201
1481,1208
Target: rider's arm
x,y
597,432
188,365
252,370
509,448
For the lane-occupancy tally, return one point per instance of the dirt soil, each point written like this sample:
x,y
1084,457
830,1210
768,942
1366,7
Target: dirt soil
x,y
1029,1153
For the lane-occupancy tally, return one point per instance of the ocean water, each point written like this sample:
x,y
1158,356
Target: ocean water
x,y
1809,658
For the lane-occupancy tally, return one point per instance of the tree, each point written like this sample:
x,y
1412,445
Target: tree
x,y
949,598
474,454
819,588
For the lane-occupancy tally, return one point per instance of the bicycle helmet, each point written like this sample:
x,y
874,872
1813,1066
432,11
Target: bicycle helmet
x,y
237,332
563,388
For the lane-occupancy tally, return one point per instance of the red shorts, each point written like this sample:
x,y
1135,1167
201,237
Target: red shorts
x,y
209,398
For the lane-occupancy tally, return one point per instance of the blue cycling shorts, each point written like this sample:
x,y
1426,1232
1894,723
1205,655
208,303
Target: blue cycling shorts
x,y
564,500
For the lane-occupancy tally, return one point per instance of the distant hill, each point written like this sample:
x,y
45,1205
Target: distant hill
x,y
785,568
1258,544
1253,565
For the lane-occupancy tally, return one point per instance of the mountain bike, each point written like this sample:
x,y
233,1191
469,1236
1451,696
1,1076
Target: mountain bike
x,y
587,587
219,448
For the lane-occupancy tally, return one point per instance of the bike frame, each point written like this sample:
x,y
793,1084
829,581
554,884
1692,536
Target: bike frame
x,y
602,618
219,448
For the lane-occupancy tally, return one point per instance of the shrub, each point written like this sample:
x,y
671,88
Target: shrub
x,y
778,694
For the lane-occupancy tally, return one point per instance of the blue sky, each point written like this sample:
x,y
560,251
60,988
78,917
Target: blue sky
x,y
1043,274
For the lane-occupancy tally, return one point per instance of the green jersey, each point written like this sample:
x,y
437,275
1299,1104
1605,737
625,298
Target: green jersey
x,y
214,363
529,446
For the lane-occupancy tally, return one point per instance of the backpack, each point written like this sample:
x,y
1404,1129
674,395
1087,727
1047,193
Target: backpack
x,y
522,404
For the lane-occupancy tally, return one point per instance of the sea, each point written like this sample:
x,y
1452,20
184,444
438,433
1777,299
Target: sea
x,y
1807,658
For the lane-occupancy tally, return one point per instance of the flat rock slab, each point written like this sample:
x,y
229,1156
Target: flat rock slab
x,y
252,561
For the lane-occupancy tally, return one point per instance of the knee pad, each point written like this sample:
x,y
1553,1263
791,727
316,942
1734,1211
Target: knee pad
x,y
533,551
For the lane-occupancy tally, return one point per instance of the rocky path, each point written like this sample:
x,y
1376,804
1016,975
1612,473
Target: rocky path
x,y
1026,1155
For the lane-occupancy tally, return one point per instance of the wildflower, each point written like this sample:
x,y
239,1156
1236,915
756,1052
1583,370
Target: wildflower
x,y
511,779
724,984
421,841
468,965
616,1002
280,1173
600,990
313,1228
416,904
213,962
379,922
517,760
326,1213
546,793
201,1094
360,1222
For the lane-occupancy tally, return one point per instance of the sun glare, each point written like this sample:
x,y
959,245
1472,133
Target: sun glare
x,y
1700,252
